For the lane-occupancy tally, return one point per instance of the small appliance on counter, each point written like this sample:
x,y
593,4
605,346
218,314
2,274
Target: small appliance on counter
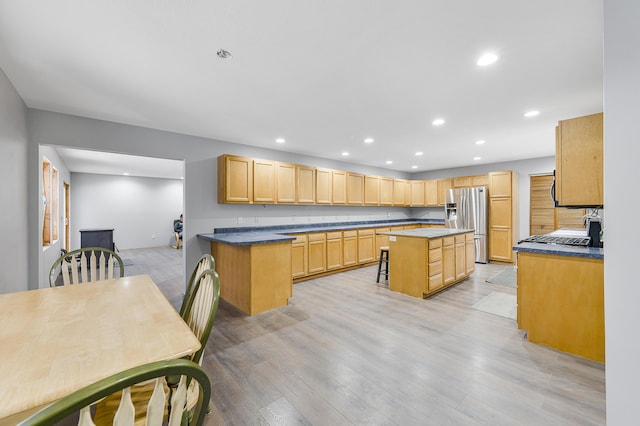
x,y
594,228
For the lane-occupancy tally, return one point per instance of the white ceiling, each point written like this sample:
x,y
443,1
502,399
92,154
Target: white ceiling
x,y
324,75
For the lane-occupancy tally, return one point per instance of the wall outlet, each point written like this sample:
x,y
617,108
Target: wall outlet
x,y
388,214
240,219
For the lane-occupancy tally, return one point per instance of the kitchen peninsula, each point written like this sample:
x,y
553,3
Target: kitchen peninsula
x,y
561,297
426,261
258,265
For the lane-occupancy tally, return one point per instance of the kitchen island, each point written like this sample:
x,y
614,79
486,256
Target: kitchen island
x,y
425,261
561,297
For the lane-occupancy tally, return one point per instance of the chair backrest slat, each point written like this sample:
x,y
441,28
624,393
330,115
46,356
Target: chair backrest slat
x,y
201,308
94,263
126,414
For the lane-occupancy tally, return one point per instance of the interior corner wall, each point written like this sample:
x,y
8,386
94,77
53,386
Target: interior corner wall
x,y
621,153
14,228
140,210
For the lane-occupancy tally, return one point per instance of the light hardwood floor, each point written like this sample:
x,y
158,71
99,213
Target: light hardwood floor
x,y
347,351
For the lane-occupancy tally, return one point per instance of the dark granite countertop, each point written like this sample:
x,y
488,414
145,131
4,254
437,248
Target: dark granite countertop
x,y
427,232
561,250
282,233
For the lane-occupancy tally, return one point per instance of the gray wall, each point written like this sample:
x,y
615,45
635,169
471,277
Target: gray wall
x,y
13,189
621,154
140,210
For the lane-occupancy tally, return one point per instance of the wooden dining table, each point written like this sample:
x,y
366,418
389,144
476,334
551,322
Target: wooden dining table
x,y
54,341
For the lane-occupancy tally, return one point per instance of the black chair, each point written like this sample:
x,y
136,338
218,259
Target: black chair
x,y
384,258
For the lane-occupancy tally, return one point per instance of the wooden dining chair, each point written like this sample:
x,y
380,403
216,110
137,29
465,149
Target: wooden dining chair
x,y
199,314
205,262
161,403
94,263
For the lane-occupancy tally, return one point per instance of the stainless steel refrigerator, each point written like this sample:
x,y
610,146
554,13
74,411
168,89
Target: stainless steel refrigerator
x,y
466,208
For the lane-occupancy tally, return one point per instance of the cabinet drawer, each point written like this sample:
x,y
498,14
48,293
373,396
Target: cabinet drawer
x,y
435,282
365,232
299,239
435,243
435,255
334,235
317,237
448,241
460,239
470,237
348,234
435,268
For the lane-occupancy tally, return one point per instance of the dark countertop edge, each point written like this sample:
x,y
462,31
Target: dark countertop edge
x,y
319,227
420,233
559,250
265,235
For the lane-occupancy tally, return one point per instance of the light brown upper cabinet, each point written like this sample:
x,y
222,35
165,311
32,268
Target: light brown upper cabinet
x,y
579,161
462,182
285,183
431,193
399,192
443,186
264,181
480,180
500,184
235,179
338,187
323,186
417,193
386,191
372,190
355,189
305,185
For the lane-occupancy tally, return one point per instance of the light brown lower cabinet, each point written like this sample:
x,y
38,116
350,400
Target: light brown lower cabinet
x,y
470,255
461,264
366,243
448,261
334,250
299,257
349,248
317,248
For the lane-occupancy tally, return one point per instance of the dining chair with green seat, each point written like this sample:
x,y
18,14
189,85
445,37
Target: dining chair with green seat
x,y
200,311
94,263
159,404
205,262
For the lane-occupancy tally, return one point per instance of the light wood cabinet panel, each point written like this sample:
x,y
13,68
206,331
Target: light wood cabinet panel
x,y
350,248
285,183
338,187
264,182
334,250
500,184
366,242
448,262
501,244
381,240
235,179
386,191
317,257
501,213
461,263
323,186
431,193
462,182
299,257
579,161
417,193
569,218
543,216
399,192
372,190
355,189
479,180
443,186
470,255
305,185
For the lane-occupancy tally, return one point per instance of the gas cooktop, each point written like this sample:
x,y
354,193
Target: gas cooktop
x,y
554,239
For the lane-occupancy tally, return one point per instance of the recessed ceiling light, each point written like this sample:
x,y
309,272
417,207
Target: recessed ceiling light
x,y
487,59
419,153
280,140
389,162
223,54
438,122
414,167
477,158
479,142
368,140
532,113
345,154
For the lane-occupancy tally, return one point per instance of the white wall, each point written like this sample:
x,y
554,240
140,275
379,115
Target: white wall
x,y
621,157
13,189
523,169
140,210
